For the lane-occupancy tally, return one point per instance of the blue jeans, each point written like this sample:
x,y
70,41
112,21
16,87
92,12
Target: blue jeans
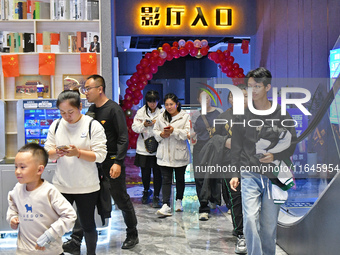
x,y
260,214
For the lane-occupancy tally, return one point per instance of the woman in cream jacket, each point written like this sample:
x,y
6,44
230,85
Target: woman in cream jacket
x,y
171,130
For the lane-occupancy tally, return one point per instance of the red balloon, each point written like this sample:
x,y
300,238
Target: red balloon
x,y
183,51
134,78
140,71
221,56
128,82
133,88
147,70
241,70
204,51
128,97
148,76
225,69
218,51
213,56
166,47
129,122
241,75
174,51
153,61
137,93
160,61
224,63
140,97
175,44
135,101
230,66
123,108
230,59
226,53
230,74
155,53
154,69
128,104
194,52
144,62
145,82
140,86
236,71
128,91
139,67
235,66
148,55
189,45
169,57
142,78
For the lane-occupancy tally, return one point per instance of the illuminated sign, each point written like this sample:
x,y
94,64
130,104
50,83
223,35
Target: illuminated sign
x,y
181,16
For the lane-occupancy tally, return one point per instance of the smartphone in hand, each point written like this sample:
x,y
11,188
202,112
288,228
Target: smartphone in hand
x,y
259,155
168,127
62,147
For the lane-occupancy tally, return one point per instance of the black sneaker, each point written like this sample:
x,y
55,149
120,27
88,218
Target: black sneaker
x,y
72,246
156,203
130,242
146,196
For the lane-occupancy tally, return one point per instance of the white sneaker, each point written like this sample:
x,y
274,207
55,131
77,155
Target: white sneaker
x,y
165,210
204,216
178,207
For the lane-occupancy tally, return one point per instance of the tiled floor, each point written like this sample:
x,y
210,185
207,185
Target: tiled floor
x,y
182,233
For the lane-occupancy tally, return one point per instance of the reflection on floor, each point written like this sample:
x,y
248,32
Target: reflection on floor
x,y
182,233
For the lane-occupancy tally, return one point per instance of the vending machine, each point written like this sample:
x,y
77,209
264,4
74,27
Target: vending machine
x,y
34,118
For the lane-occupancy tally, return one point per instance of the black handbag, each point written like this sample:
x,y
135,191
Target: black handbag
x,y
150,144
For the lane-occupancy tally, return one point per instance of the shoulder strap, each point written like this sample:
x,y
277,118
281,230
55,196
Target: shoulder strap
x,y
58,122
57,125
209,129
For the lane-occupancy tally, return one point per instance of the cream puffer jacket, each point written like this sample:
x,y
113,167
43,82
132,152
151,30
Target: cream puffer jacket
x,y
138,127
174,150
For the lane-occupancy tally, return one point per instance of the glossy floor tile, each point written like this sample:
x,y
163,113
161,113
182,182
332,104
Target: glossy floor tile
x,y
182,233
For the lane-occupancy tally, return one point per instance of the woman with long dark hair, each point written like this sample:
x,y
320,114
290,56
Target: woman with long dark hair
x,y
77,149
172,131
143,123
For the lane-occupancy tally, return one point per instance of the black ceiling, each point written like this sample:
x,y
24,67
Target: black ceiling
x,y
147,42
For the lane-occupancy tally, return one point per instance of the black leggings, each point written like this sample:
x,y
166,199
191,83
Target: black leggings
x,y
167,181
157,179
85,205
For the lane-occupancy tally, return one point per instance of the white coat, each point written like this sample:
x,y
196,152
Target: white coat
x,y
173,151
138,127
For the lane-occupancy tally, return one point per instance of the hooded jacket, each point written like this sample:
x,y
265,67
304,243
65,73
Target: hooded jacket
x,y
173,151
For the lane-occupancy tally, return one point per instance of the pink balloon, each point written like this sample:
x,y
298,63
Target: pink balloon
x,y
181,43
204,43
163,54
197,43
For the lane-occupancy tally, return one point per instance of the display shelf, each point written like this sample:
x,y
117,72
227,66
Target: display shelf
x,y
66,63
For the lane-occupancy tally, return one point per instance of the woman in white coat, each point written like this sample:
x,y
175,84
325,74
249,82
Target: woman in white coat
x,y
171,130
143,123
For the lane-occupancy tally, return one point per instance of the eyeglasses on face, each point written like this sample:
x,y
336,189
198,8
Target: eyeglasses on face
x,y
87,89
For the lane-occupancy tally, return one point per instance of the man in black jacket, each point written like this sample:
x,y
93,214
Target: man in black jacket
x,y
112,117
260,213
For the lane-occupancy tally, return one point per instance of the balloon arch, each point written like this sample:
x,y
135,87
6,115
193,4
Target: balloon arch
x,y
152,60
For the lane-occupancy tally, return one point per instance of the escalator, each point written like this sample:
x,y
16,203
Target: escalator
x,y
309,222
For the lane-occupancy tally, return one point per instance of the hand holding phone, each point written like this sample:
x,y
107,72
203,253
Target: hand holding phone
x,y
259,155
168,127
148,121
62,147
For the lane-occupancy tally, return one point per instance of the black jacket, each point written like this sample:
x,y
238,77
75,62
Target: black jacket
x,y
245,137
